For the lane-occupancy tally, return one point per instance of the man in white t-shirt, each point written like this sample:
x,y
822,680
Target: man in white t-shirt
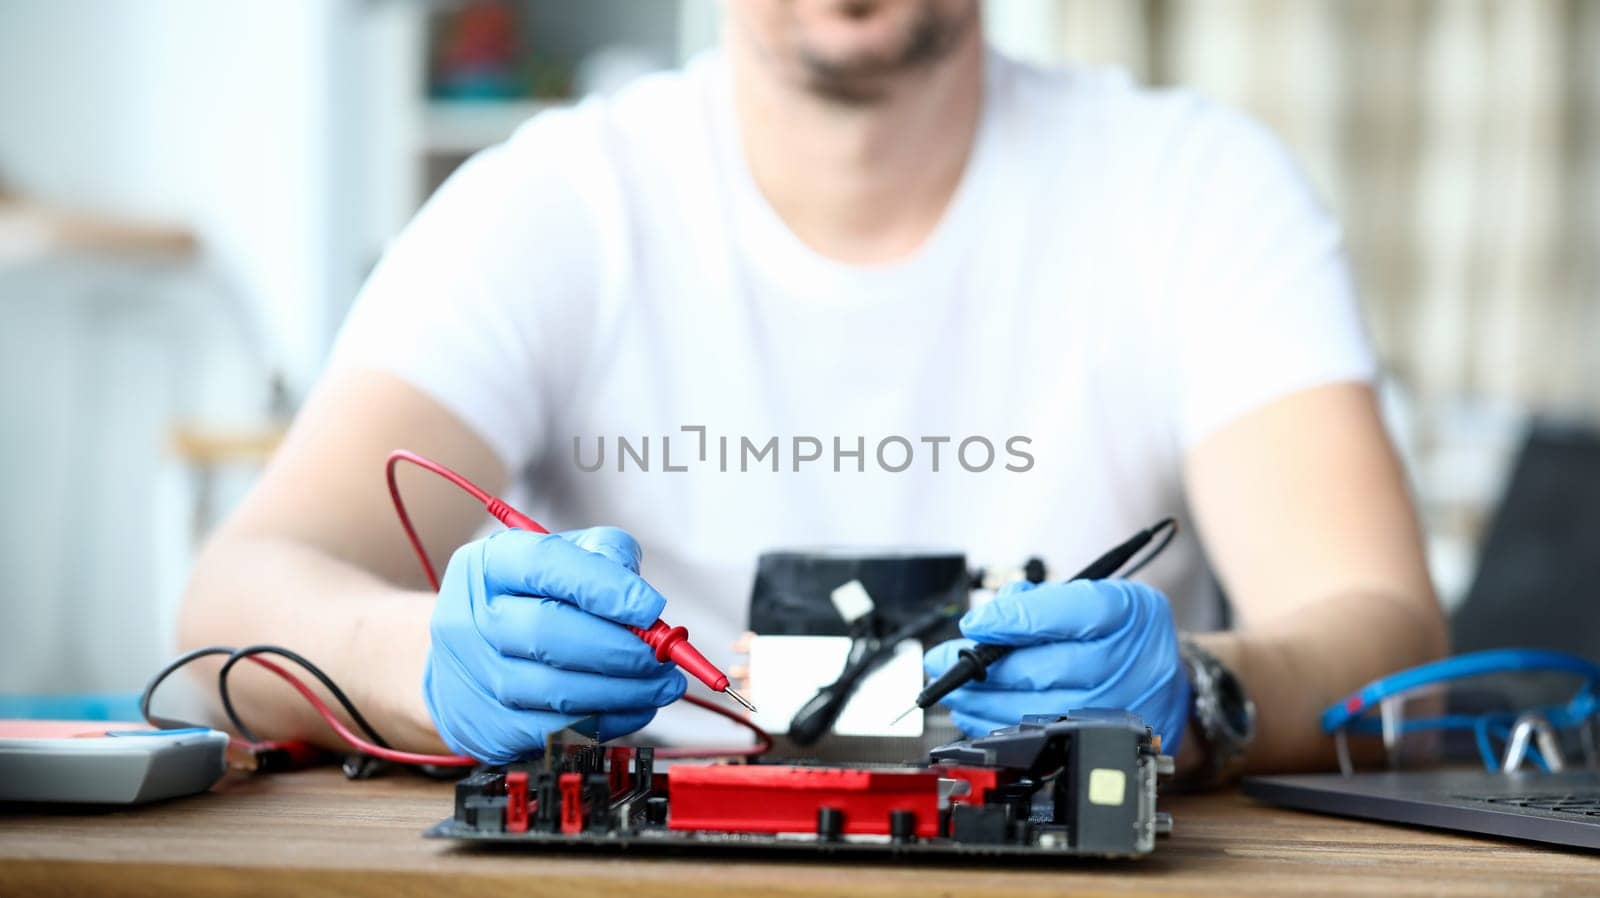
x,y
852,280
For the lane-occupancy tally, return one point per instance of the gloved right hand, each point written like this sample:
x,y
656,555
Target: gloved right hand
x,y
527,638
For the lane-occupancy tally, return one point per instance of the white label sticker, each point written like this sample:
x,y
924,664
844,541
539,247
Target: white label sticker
x,y
1107,786
852,601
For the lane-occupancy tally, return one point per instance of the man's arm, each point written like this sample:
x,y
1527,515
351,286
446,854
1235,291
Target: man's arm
x,y
314,559
1305,516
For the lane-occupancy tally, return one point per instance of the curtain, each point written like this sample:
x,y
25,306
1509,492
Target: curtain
x,y
1458,141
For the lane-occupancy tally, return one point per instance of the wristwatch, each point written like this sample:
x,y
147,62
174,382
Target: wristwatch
x,y
1223,715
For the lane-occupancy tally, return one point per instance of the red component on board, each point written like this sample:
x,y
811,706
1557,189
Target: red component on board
x,y
617,758
571,802
517,802
779,798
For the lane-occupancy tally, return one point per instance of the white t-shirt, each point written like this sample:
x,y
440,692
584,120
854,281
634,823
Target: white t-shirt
x,y
1121,272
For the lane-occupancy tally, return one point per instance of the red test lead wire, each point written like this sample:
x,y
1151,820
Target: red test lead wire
x,y
670,643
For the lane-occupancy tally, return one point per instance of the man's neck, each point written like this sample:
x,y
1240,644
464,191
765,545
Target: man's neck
x,y
865,183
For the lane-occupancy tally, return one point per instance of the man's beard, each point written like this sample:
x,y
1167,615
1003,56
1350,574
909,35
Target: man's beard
x,y
864,80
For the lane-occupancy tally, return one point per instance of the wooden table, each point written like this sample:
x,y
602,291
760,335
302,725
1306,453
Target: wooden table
x,y
313,832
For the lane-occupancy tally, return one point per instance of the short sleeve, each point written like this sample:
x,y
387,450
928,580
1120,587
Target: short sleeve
x,y
481,301
1264,304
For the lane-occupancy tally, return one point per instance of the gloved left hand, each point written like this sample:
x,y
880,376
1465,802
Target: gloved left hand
x,y
1080,644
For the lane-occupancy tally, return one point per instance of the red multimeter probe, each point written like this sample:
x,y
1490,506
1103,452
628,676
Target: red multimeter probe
x,y
670,643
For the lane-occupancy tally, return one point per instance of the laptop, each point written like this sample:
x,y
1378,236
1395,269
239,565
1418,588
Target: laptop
x,y
1558,808
1535,588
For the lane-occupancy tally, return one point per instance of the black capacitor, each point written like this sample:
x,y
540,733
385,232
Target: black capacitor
x,y
655,810
902,826
830,824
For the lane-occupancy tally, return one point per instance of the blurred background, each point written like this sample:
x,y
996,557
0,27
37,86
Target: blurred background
x,y
191,193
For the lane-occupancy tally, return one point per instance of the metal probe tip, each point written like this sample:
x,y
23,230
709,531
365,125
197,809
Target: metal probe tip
x,y
733,693
904,714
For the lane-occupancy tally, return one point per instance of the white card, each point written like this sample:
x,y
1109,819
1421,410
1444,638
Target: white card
x,y
786,671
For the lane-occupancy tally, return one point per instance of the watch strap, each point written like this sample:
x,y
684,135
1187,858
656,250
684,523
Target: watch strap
x,y
1218,707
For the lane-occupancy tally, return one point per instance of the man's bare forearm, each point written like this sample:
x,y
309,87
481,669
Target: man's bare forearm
x,y
314,560
368,635
1295,666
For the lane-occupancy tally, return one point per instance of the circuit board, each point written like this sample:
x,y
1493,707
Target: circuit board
x,y
1052,788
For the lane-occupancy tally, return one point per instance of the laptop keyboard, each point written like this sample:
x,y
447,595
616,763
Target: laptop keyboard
x,y
1585,804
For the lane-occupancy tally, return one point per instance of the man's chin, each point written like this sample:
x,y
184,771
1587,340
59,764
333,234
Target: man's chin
x,y
858,61
853,85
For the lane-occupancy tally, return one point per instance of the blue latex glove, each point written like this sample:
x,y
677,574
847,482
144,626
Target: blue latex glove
x,y
527,639
1082,644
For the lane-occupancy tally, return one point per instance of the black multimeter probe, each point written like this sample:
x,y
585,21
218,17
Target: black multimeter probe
x,y
818,715
972,664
